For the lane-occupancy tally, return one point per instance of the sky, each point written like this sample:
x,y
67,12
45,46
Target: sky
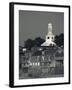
x,y
34,24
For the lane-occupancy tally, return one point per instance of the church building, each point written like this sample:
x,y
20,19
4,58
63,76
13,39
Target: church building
x,y
49,41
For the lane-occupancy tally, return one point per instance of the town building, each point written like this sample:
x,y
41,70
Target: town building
x,y
44,60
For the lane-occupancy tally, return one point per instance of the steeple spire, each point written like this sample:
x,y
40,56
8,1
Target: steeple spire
x,y
49,27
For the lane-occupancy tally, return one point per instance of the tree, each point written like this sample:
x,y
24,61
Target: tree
x,y
38,41
28,43
59,40
20,50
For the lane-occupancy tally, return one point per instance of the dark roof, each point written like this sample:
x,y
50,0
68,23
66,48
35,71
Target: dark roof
x,y
49,52
37,53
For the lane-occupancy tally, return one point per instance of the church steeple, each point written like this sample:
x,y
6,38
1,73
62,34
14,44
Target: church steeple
x,y
50,28
49,37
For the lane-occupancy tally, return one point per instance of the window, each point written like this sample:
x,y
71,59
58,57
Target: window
x,y
48,37
38,64
35,64
51,44
52,37
30,64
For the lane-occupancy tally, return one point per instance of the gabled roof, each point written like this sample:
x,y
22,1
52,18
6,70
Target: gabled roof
x,y
48,43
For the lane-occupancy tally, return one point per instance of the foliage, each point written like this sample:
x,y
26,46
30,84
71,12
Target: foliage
x,y
59,40
29,43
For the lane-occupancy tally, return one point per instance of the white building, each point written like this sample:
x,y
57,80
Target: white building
x,y
49,37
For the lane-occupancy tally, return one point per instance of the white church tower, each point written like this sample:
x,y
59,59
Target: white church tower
x,y
49,37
